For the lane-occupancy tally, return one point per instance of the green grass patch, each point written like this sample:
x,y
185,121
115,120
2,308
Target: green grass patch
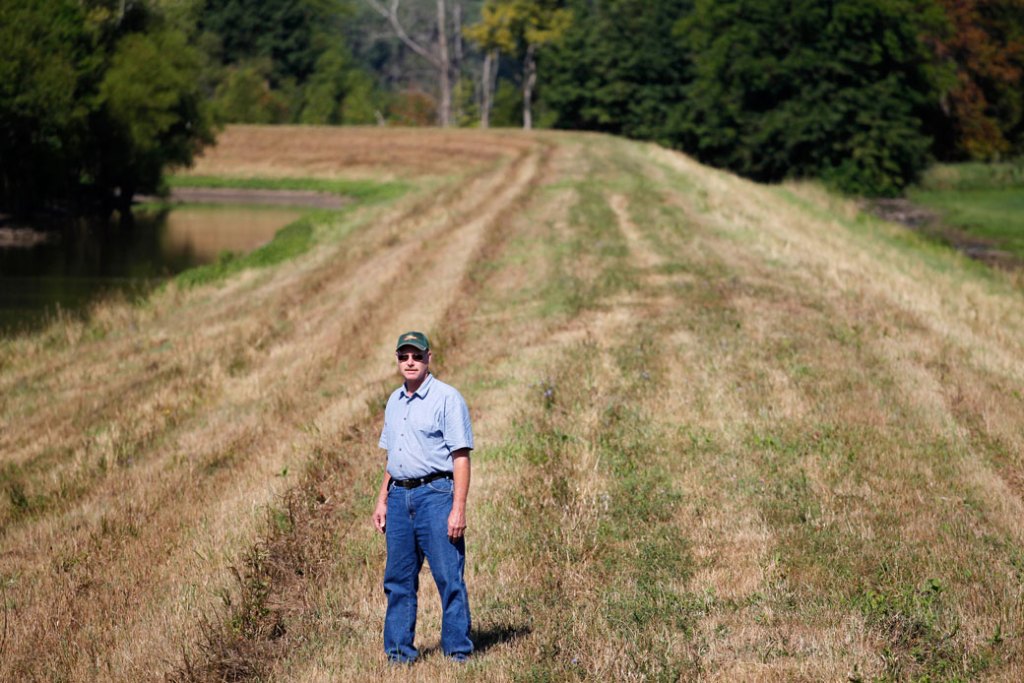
x,y
973,176
993,215
289,242
593,263
616,540
361,190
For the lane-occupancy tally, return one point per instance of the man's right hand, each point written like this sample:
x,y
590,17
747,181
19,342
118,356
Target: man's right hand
x,y
380,515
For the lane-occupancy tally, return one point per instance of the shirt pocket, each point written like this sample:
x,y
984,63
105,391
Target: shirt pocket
x,y
424,425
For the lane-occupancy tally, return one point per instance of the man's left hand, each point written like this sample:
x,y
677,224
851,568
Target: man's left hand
x,y
456,524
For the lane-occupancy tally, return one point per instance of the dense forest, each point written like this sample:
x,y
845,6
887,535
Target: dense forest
x,y
99,97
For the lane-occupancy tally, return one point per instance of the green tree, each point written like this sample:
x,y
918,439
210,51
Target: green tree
x,y
829,88
157,114
280,60
44,56
96,98
619,69
432,45
984,109
362,103
521,28
281,32
489,35
508,105
245,96
326,88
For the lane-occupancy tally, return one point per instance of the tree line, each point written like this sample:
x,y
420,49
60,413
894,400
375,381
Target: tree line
x,y
97,97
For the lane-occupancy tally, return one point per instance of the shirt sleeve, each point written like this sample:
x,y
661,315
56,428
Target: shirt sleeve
x,y
383,443
458,431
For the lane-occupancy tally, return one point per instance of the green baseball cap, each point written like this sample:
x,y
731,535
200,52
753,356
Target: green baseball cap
x,y
416,339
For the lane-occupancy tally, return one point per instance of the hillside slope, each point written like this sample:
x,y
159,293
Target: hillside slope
x,y
725,431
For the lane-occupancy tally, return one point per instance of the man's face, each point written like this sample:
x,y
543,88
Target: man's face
x,y
413,363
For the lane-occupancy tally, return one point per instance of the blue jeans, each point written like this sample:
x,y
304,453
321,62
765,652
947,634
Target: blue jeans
x,y
417,527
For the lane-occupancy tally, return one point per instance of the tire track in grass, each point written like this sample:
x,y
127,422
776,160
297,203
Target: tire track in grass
x,y
110,394
587,583
270,584
856,586
601,562
226,315
360,653
151,524
447,261
361,613
598,564
779,416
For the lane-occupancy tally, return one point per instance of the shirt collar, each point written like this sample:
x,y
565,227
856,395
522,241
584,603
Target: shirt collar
x,y
422,391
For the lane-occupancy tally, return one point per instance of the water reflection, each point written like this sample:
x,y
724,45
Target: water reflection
x,y
83,261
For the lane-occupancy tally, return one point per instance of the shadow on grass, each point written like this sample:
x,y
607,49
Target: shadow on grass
x,y
485,639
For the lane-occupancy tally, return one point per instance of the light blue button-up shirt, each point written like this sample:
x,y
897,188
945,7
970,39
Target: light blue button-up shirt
x,y
423,430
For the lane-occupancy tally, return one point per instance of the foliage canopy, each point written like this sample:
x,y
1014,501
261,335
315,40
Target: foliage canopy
x,y
95,100
619,69
838,90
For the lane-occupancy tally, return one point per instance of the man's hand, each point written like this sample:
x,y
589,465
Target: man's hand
x,y
380,514
460,490
456,523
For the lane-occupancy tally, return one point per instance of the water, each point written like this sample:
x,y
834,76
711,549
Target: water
x,y
84,263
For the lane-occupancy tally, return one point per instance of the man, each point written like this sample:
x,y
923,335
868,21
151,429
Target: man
x,y
421,508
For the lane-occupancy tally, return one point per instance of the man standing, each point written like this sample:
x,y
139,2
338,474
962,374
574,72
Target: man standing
x,y
421,508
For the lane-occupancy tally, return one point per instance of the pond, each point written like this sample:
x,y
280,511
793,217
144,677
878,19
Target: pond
x,y
81,263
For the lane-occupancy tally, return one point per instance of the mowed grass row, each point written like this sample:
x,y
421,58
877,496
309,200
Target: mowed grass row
x,y
832,516
513,619
726,432
141,448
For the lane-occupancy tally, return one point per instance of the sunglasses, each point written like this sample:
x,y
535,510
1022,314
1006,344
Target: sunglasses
x,y
418,357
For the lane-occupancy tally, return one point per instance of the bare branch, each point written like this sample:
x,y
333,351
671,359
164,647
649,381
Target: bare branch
x,y
391,14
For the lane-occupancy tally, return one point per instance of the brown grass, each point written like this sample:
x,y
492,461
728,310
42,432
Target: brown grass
x,y
725,431
354,152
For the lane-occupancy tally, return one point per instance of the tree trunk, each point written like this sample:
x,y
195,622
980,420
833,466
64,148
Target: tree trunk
x,y
440,61
457,60
457,44
529,81
487,87
444,67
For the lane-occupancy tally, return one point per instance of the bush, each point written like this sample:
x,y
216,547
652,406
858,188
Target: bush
x,y
412,108
245,96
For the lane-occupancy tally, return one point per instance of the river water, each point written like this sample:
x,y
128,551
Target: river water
x,y
80,263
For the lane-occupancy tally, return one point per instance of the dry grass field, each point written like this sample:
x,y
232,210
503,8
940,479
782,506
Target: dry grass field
x,y
725,432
